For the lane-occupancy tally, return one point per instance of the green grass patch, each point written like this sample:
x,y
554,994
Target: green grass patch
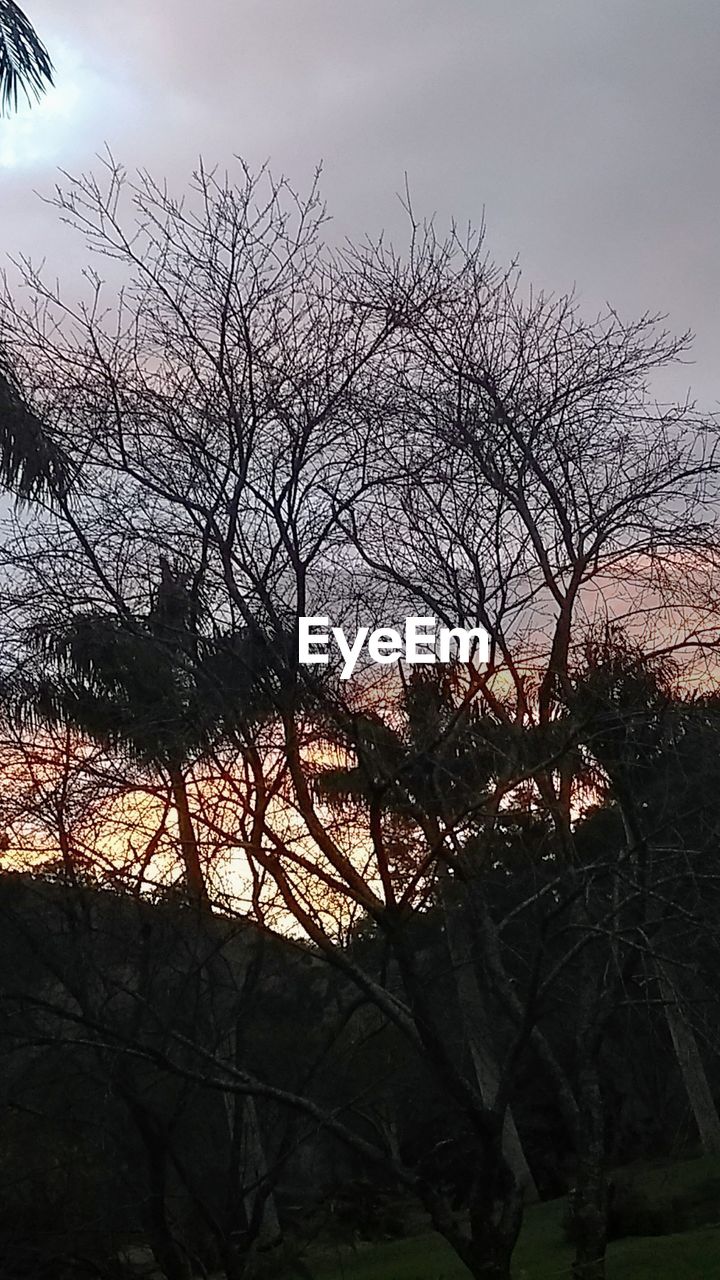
x,y
666,1198
543,1254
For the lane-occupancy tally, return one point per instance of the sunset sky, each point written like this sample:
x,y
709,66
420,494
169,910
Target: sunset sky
x,y
585,131
350,963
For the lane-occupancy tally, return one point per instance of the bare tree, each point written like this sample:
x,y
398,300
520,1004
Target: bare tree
x,y
366,435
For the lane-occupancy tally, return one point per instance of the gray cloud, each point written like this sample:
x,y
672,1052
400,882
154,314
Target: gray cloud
x,y
587,132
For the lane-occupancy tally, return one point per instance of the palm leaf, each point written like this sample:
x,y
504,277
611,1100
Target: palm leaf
x,y
30,462
24,61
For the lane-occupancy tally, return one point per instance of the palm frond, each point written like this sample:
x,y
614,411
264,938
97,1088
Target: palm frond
x,y
30,462
25,63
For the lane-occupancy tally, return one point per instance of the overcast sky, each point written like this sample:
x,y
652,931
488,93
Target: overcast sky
x,y
587,131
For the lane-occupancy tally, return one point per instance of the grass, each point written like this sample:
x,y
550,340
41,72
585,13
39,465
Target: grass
x,y
542,1253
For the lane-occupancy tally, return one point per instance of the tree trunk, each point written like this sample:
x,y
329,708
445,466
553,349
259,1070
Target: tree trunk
x,y
256,1207
589,1198
476,1026
496,1211
167,1250
496,1215
495,1198
691,1064
259,1203
194,877
688,1055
